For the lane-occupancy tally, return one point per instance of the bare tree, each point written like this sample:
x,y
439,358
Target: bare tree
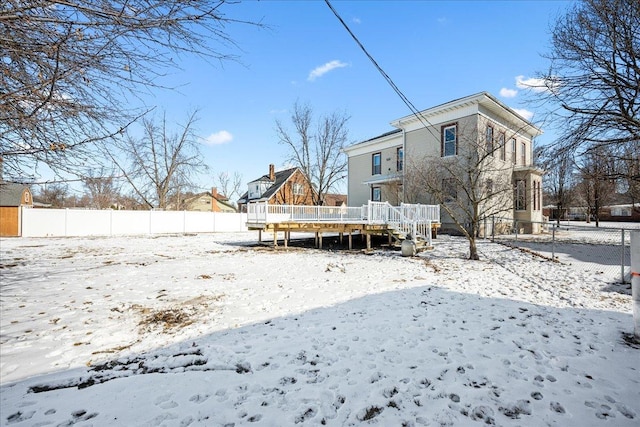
x,y
317,151
593,82
559,178
102,189
596,187
228,185
55,194
69,68
470,186
160,164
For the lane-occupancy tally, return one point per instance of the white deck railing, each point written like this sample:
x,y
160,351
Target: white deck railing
x,y
409,219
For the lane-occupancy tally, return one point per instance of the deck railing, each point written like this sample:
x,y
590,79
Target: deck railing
x,y
409,219
262,212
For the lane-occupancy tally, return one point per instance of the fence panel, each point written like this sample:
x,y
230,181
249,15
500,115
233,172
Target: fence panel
x,y
603,250
78,222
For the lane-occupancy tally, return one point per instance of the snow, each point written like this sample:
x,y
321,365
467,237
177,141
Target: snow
x,y
212,330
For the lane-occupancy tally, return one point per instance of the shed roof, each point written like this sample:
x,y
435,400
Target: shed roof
x,y
11,194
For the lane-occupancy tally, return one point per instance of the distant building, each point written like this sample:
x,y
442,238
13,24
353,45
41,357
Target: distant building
x,y
12,198
286,187
209,201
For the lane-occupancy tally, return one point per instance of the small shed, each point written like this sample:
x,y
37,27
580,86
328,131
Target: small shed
x,y
12,198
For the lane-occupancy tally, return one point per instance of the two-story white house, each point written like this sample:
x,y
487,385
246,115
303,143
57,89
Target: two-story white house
x,y
478,128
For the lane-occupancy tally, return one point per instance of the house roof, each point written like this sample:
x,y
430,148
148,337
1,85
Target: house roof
x,y
485,99
220,198
280,178
11,194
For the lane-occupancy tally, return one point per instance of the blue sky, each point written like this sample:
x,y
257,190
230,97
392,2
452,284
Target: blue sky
x,y
434,51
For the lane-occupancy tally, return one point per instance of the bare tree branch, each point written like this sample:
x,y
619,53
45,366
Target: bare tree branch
x,y
318,154
71,72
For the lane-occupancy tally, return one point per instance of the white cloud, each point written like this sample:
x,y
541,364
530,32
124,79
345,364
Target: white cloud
x,y
535,84
508,93
524,113
218,138
324,69
356,21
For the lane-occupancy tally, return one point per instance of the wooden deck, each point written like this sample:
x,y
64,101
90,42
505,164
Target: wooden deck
x,y
369,220
318,228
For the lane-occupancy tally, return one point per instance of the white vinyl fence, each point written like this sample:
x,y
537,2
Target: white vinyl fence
x,y
77,222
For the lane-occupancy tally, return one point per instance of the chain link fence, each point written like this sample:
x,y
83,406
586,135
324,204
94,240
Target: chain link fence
x,y
603,250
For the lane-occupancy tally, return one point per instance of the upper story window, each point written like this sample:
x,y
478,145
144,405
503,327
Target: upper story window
x,y
376,164
449,140
501,146
489,140
523,154
297,189
399,159
514,157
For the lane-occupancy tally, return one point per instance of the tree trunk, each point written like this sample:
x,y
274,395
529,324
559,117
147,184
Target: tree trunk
x,y
473,250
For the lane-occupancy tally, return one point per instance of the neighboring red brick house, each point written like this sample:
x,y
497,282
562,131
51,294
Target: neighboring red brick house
x,y
286,187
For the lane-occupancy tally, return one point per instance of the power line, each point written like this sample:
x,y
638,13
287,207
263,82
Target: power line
x,y
397,90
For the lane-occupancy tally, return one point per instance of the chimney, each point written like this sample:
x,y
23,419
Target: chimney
x,y
272,172
214,199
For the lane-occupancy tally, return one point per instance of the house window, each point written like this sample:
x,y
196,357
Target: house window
x,y
489,140
520,196
399,159
502,146
523,153
376,164
513,151
449,190
298,189
538,196
376,194
449,140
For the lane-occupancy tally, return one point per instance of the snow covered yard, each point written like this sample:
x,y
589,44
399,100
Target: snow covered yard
x,y
208,330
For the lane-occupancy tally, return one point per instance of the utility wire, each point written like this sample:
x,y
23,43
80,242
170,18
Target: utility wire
x,y
425,122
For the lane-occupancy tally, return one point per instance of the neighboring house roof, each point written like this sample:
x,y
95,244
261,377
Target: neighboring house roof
x,y
11,194
221,199
281,178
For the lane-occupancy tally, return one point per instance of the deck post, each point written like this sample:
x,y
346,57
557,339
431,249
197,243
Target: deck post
x,y
259,236
320,241
368,241
275,238
389,235
286,239
316,240
350,240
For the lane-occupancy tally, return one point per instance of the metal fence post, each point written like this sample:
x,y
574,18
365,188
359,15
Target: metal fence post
x,y
553,243
484,231
635,281
622,258
493,228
